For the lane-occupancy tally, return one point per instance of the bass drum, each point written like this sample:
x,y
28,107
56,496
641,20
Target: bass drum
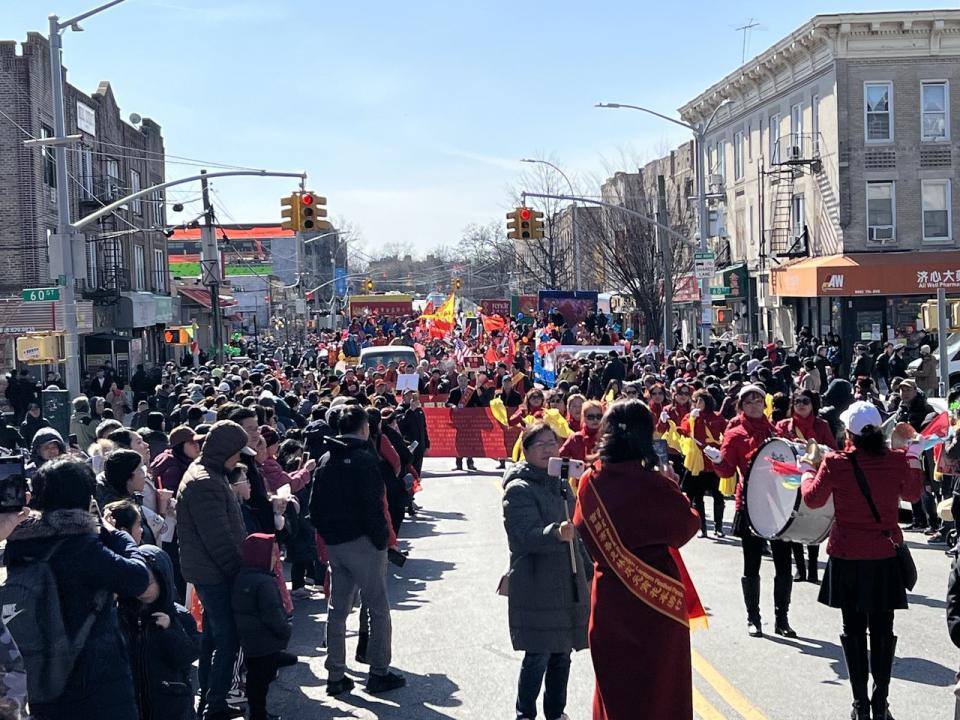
x,y
777,512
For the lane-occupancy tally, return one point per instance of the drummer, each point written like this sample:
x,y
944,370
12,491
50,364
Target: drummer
x,y
743,437
803,425
863,576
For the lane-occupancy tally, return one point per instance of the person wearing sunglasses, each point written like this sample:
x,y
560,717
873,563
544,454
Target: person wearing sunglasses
x,y
743,437
706,427
674,413
631,391
803,425
581,444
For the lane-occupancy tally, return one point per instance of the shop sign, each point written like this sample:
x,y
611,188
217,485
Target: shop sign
x,y
721,291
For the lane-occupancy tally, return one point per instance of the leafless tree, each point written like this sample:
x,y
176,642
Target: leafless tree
x,y
488,259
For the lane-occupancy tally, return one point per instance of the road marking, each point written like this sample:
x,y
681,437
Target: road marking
x,y
703,709
724,689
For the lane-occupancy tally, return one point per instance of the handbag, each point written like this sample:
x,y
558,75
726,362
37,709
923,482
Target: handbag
x,y
908,568
503,586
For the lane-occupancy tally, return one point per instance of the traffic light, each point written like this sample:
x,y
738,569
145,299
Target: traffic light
x,y
290,212
176,336
457,283
311,211
536,224
513,225
524,224
368,285
308,296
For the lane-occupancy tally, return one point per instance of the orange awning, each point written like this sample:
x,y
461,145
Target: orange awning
x,y
881,273
201,297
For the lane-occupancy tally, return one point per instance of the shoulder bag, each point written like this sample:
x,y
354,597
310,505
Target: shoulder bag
x,y
908,568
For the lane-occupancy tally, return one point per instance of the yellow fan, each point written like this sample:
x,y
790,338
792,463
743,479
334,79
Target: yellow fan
x,y
499,411
557,423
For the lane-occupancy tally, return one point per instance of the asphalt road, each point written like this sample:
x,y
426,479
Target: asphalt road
x,y
451,639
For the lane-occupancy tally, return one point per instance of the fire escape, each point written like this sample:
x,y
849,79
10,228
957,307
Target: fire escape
x,y
106,275
788,235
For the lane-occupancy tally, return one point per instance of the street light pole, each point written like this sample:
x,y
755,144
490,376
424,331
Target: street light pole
x,y
700,133
573,205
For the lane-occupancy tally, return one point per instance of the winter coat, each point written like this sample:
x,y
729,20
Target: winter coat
x,y
274,476
85,428
30,426
161,659
792,428
257,607
91,560
580,445
413,425
348,494
156,439
926,375
916,412
209,523
544,616
168,468
707,420
855,534
741,440
953,602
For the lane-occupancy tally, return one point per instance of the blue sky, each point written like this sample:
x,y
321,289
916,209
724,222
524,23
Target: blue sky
x,y
410,117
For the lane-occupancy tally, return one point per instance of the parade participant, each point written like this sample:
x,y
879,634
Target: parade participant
x,y
462,396
580,445
639,649
548,604
532,405
704,427
743,437
669,420
804,425
575,410
864,577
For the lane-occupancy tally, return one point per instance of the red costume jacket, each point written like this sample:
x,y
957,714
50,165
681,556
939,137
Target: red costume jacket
x,y
855,534
580,445
742,438
810,428
717,425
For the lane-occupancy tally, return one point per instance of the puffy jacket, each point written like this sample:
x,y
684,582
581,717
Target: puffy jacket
x,y
156,439
160,658
209,523
90,561
168,469
348,494
85,428
275,477
257,607
856,535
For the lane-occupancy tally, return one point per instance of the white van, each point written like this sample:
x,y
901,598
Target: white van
x,y
371,357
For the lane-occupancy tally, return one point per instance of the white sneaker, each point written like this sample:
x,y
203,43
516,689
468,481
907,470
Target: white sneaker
x,y
301,593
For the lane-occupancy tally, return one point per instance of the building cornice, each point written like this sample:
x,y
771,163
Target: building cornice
x,y
831,37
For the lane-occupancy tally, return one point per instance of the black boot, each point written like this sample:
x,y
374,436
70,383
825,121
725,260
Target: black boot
x,y
782,587
855,654
751,598
813,564
882,652
362,640
718,505
799,561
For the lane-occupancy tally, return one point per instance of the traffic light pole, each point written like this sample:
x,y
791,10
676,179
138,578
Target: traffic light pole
x,y
211,271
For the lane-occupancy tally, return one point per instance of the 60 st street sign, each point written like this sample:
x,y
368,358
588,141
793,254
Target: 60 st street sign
x,y
41,294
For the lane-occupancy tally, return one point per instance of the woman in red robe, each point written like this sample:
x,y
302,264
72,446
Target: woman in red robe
x,y
632,518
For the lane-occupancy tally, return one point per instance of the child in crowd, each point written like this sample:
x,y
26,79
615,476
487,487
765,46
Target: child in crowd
x,y
125,515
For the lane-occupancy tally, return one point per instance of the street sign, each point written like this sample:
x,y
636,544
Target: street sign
x,y
41,294
704,264
721,291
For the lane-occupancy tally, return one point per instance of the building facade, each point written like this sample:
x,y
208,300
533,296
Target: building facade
x,y
834,153
123,285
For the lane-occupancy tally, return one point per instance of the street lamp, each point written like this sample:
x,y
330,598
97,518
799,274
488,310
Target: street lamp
x,y
700,133
71,339
576,239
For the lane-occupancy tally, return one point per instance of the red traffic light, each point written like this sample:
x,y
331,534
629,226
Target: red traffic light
x,y
306,199
524,213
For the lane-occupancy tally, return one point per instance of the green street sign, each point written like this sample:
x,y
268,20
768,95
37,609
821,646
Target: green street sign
x,y
722,291
41,294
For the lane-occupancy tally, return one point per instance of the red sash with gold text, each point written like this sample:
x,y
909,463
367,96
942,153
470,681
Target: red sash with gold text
x,y
677,599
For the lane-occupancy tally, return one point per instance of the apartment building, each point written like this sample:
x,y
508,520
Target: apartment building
x,y
123,288
833,154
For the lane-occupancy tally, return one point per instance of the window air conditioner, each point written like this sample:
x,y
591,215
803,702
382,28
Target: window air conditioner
x,y
795,152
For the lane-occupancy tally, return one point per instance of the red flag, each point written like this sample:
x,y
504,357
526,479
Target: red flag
x,y
938,427
511,350
429,309
491,357
493,323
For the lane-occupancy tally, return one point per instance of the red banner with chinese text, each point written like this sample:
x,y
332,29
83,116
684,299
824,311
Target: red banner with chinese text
x,y
468,432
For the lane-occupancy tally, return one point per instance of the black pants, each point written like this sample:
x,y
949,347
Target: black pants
x,y
856,622
753,553
696,499
261,671
299,572
550,671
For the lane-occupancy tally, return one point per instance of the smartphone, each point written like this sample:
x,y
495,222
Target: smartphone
x,y
565,468
396,557
72,439
413,446
13,484
304,458
660,448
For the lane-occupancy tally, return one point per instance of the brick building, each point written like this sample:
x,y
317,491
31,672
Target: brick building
x,y
835,155
123,287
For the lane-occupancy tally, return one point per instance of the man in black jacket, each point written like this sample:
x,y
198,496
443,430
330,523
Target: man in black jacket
x,y
346,508
413,426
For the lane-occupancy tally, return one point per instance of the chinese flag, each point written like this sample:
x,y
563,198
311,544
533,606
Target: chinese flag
x,y
491,357
493,323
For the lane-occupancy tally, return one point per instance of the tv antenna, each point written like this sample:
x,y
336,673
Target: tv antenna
x,y
745,29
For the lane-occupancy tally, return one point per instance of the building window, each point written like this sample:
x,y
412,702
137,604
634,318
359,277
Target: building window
x,y
738,156
936,210
137,204
749,142
160,272
878,111
797,221
139,267
934,111
721,159
796,130
740,236
111,172
774,138
815,112
93,281
881,212
86,173
156,200
49,163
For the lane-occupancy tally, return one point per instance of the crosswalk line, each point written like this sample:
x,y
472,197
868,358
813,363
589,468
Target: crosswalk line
x,y
703,709
725,689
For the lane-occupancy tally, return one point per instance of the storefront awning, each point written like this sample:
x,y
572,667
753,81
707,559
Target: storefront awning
x,y
882,273
201,297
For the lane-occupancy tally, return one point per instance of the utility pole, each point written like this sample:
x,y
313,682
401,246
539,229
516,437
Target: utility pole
x,y
667,253
210,269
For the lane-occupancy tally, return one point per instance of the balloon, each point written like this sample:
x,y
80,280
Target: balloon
x,y
628,334
616,327
519,316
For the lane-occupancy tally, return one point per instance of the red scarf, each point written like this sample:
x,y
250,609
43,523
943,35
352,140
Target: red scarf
x,y
803,427
759,429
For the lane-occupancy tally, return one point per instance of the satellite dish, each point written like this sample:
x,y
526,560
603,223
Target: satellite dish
x,y
135,118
